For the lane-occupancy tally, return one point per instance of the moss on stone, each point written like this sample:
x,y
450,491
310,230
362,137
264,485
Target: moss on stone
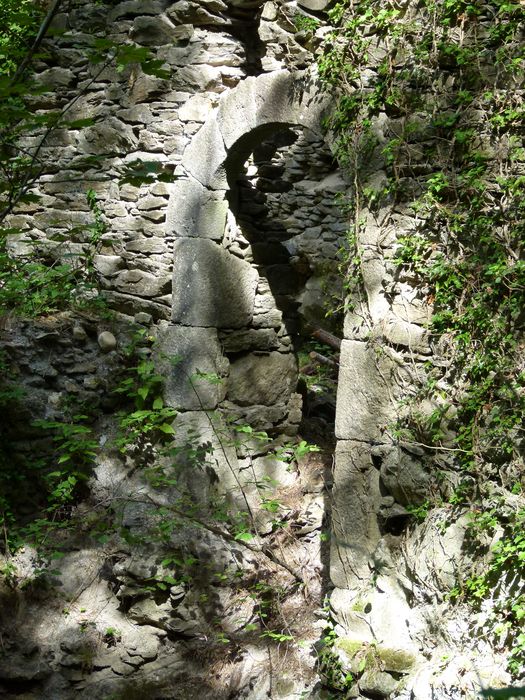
x,y
379,657
396,660
351,647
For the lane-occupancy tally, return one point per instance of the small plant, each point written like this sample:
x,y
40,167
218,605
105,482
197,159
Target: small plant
x,y
330,665
276,636
74,455
419,512
51,279
304,23
111,636
142,384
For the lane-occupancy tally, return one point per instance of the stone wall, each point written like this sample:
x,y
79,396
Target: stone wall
x,y
223,266
178,263
143,118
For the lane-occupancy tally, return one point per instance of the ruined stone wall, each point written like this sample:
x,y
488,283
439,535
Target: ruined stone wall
x,y
140,118
223,266
123,629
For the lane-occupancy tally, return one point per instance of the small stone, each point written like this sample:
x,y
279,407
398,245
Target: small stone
x,y
153,31
79,333
150,202
378,683
122,669
71,387
107,341
147,649
196,109
108,265
143,284
270,11
143,318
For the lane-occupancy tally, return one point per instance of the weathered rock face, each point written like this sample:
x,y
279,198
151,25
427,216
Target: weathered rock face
x,y
222,265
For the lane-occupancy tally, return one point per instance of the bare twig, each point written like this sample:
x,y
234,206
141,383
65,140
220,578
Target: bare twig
x,y
36,44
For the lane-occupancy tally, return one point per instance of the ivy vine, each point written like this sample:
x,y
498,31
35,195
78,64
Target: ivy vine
x,y
431,95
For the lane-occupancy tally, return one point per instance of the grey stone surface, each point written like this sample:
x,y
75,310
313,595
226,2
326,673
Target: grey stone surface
x,y
108,265
367,383
205,156
355,502
410,335
197,109
211,287
316,5
185,11
184,353
110,137
136,7
147,87
436,557
140,117
197,211
57,77
206,458
107,341
142,284
378,683
404,477
273,98
252,339
262,379
153,31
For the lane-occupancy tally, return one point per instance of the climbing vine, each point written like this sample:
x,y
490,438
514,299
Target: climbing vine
x,y
430,98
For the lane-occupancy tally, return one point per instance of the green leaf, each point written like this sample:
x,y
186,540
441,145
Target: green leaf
x,y
166,428
503,693
244,536
143,392
158,404
57,555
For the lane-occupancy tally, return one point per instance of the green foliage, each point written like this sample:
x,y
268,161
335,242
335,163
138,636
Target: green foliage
x,y
30,286
448,91
123,56
304,23
143,385
420,511
19,22
329,663
143,172
503,693
72,459
45,278
502,582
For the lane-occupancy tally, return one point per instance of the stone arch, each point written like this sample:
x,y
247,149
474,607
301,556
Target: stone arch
x,y
256,103
213,289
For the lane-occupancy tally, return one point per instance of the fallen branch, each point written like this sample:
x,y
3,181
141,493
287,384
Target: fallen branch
x,y
325,337
322,359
